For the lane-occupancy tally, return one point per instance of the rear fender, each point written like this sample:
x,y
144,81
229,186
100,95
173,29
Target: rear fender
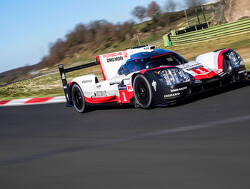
x,y
84,82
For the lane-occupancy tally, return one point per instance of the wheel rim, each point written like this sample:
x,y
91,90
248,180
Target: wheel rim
x,y
142,92
229,68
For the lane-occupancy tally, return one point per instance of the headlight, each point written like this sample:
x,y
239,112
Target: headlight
x,y
174,76
235,59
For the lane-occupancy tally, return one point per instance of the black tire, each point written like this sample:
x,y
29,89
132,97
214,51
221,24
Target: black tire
x,y
142,91
227,68
78,98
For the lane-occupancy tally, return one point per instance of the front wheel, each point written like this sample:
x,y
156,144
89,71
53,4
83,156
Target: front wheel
x,y
78,98
142,91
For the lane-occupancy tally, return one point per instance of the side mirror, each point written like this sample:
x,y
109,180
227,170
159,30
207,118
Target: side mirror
x,y
123,71
120,71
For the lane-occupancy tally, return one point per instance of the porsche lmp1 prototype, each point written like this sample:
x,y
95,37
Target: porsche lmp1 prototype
x,y
146,76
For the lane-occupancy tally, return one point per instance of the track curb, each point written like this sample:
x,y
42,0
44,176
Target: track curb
x,y
33,101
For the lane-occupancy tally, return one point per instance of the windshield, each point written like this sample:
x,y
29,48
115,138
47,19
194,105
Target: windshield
x,y
172,59
168,60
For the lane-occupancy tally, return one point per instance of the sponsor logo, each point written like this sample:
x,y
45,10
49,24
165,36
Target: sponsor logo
x,y
100,93
154,84
192,67
122,87
171,95
87,81
98,86
63,76
111,55
129,88
179,89
119,58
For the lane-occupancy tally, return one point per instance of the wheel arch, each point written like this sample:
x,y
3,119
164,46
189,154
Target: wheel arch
x,y
133,77
71,84
80,107
144,73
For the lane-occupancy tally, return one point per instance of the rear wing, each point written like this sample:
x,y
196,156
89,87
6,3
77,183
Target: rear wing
x,y
110,63
63,72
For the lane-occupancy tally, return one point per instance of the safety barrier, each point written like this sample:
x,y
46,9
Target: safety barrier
x,y
216,32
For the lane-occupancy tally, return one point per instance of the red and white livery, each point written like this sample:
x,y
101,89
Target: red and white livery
x,y
145,76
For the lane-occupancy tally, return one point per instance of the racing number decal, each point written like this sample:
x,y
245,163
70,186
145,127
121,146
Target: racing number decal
x,y
200,70
126,95
123,98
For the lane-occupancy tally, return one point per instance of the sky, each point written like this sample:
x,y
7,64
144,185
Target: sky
x,y
27,27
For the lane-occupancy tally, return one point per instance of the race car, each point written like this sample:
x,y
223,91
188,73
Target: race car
x,y
145,76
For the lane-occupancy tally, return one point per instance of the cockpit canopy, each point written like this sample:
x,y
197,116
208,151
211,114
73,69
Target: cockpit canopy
x,y
141,62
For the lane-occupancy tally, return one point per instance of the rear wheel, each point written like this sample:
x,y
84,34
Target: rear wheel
x,y
78,98
227,68
142,91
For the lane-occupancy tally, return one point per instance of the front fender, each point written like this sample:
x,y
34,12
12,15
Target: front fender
x,y
163,93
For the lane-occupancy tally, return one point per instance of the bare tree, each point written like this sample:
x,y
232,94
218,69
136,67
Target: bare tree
x,y
153,10
139,12
170,6
128,30
77,36
57,51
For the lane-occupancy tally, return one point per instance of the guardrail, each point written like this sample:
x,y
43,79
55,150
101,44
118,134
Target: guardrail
x,y
216,32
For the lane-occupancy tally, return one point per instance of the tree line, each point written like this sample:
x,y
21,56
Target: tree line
x,y
97,33
104,33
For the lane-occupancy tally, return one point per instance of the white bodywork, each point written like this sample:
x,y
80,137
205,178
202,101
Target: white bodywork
x,y
93,89
210,60
205,66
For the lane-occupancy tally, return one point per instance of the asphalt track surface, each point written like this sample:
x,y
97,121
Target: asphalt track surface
x,y
202,143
